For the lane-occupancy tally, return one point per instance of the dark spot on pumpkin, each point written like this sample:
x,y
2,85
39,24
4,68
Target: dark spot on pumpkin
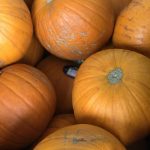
x,y
77,140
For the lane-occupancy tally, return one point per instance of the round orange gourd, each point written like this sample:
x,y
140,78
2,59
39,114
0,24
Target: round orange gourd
x,y
27,103
119,5
132,30
60,121
15,31
54,67
111,90
73,29
34,53
80,137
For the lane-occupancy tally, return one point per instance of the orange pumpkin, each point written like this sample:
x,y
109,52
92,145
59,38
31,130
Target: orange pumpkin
x,y
132,30
111,90
27,103
73,29
54,67
15,31
80,137
60,121
34,53
119,5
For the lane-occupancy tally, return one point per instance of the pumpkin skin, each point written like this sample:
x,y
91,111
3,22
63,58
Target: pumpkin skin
x,y
60,121
80,137
111,90
27,103
53,68
119,5
132,29
73,29
16,31
34,53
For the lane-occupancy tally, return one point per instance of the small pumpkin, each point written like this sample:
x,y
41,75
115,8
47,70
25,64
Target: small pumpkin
x,y
73,29
34,53
80,137
54,68
111,90
27,103
119,5
15,31
132,28
60,121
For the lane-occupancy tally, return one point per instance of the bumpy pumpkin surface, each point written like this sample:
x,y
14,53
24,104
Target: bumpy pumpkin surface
x,y
112,90
132,29
80,137
15,31
27,103
73,29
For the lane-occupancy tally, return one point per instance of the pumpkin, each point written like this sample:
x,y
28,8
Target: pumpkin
x,y
15,31
27,102
80,137
60,121
73,29
34,53
111,90
132,30
119,5
54,68
29,3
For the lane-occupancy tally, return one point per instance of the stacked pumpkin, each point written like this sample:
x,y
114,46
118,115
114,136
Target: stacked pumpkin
x,y
74,74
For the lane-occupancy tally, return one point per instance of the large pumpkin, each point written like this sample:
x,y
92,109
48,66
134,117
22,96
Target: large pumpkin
x,y
15,30
73,29
54,68
34,53
112,90
132,30
119,5
27,103
80,137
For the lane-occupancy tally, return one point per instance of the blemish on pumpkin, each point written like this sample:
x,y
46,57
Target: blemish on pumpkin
x,y
48,1
76,51
61,42
83,34
77,140
128,29
48,46
127,36
130,18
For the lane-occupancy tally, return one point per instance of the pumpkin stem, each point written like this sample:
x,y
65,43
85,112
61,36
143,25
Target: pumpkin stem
x,y
115,76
